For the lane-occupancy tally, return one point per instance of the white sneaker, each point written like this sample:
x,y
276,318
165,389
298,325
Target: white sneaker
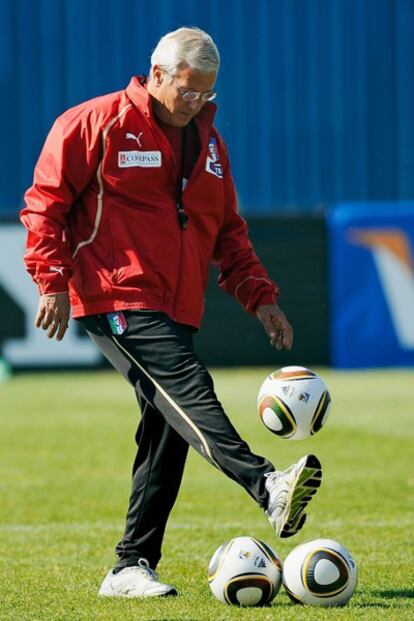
x,y
289,492
136,581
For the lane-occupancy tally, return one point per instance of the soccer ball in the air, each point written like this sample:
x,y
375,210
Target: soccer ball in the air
x,y
293,402
245,572
320,573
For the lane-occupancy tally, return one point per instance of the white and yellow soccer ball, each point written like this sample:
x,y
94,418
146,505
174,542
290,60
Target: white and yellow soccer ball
x,y
293,402
321,572
245,572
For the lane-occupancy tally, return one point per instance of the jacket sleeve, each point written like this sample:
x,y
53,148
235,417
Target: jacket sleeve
x,y
68,161
241,273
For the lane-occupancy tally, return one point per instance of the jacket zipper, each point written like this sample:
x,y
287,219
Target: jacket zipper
x,y
195,170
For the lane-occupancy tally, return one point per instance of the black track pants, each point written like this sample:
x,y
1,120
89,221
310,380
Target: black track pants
x,y
179,408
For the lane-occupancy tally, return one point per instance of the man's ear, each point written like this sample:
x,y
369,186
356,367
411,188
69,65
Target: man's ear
x,y
158,75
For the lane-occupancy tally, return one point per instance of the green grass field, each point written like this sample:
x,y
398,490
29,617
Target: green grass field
x,y
66,446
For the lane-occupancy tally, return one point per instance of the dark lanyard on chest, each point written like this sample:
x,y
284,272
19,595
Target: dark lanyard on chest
x,y
182,216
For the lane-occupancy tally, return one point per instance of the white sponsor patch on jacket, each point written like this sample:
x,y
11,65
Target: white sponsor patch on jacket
x,y
142,159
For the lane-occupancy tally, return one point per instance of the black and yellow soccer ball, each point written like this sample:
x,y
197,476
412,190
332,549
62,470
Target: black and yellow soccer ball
x,y
245,572
321,572
293,402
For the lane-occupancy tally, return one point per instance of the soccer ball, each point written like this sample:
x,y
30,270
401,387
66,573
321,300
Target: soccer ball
x,y
321,573
245,572
293,402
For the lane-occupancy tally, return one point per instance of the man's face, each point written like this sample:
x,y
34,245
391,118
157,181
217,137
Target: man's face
x,y
170,106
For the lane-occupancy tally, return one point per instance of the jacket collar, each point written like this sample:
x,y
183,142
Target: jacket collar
x,y
140,97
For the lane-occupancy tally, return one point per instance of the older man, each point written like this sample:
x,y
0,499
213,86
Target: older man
x,y
132,200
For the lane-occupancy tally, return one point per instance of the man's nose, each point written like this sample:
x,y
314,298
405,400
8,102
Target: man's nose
x,y
195,105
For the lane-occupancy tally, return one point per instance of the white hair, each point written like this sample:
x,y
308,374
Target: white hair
x,y
186,47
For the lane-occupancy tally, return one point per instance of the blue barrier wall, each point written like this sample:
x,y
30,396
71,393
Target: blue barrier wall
x,y
371,262
316,97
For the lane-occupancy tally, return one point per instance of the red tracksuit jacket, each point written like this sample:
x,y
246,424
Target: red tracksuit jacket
x,y
102,220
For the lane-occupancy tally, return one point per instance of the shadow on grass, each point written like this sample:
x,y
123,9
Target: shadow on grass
x,y
395,598
395,593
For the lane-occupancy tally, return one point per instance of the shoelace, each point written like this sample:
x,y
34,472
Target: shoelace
x,y
144,565
280,500
272,475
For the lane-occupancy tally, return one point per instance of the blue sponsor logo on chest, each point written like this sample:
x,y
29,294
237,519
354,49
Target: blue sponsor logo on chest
x,y
213,164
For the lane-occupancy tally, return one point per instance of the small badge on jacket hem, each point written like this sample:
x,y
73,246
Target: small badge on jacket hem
x,y
117,322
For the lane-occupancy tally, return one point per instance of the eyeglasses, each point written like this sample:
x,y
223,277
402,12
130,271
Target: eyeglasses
x,y
189,95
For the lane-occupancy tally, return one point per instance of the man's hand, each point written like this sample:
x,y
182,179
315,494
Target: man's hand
x,y
276,325
53,314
